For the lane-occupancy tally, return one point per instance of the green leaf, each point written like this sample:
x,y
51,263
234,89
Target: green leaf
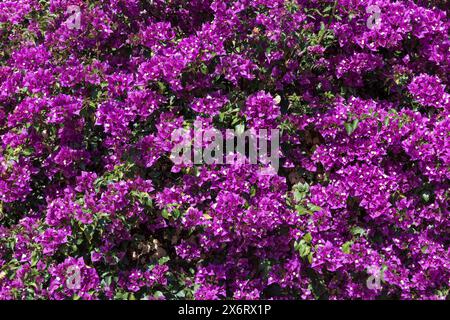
x,y
252,191
313,207
176,213
162,86
358,231
34,259
328,9
322,30
351,127
107,280
346,247
28,152
300,191
307,237
163,260
302,210
303,248
204,68
310,256
165,214
298,195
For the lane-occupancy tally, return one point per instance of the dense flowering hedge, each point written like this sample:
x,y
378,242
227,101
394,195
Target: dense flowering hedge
x,y
88,192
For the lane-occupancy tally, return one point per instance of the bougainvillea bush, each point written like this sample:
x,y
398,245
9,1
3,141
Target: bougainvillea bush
x,y
92,207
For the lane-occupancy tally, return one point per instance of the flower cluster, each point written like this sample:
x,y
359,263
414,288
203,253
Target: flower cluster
x,y
92,207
